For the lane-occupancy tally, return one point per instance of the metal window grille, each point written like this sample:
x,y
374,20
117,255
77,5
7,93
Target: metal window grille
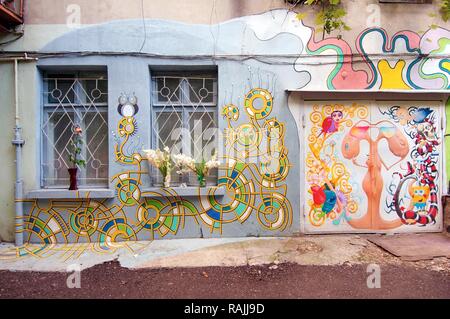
x,y
71,100
184,116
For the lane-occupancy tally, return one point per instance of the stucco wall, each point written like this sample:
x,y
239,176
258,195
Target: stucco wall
x,y
45,20
7,151
27,99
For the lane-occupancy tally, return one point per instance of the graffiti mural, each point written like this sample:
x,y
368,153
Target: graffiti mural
x,y
424,63
261,139
372,166
415,191
254,171
331,196
368,166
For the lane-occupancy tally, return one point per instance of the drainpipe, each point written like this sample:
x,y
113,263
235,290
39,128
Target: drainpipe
x,y
18,143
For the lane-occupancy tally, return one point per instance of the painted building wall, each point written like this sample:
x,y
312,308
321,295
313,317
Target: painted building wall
x,y
272,202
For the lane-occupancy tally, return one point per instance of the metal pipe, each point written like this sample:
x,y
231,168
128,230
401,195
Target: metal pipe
x,y
18,143
25,57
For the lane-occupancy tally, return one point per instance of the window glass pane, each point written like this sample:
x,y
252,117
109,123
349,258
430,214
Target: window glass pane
x,y
201,90
202,128
60,90
56,138
167,90
95,152
191,111
169,130
93,91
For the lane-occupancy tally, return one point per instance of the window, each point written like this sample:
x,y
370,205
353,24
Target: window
x,y
70,100
184,116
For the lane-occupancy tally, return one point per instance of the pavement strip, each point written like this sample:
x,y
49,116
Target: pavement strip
x,y
325,250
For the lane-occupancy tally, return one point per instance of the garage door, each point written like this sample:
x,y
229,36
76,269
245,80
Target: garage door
x,y
372,166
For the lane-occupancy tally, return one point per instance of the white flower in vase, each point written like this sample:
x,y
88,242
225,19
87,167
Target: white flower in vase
x,y
212,163
184,163
161,160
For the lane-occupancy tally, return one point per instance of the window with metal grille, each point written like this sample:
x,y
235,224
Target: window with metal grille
x,y
70,100
184,113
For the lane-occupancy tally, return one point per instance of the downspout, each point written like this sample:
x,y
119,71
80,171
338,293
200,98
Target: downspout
x,y
18,143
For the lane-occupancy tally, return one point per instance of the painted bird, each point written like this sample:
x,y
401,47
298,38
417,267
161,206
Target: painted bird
x,y
318,193
330,201
331,123
421,114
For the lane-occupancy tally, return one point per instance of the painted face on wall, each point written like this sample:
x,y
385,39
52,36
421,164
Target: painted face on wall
x,y
420,196
331,123
337,116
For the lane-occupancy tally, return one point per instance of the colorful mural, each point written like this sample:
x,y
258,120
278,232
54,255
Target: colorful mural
x,y
255,167
424,62
372,167
368,166
422,176
330,187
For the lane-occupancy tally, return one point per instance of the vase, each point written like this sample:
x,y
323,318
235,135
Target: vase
x,y
175,179
196,180
73,178
171,180
193,180
158,179
211,180
201,181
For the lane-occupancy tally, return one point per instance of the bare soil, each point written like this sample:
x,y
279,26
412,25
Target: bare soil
x,y
110,280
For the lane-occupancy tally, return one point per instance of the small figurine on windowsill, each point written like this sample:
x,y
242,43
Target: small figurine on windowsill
x,y
74,156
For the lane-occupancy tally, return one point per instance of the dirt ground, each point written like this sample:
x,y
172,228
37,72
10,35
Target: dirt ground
x,y
110,280
399,279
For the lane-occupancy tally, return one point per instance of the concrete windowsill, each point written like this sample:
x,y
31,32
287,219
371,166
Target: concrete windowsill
x,y
183,191
67,194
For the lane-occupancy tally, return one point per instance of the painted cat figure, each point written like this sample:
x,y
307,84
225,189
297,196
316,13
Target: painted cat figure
x,y
419,195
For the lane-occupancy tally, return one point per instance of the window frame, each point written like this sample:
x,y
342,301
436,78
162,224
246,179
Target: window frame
x,y
185,106
47,109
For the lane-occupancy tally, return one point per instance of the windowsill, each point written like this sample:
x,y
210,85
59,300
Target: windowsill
x,y
183,191
67,194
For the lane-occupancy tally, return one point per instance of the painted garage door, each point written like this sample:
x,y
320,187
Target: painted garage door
x,y
372,166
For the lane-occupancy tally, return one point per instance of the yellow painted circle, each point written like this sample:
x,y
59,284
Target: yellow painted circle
x,y
265,100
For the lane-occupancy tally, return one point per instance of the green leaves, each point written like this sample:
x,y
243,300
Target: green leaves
x,y
75,144
200,168
330,16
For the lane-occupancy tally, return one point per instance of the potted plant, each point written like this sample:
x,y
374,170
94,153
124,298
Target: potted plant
x,y
161,160
74,157
201,169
